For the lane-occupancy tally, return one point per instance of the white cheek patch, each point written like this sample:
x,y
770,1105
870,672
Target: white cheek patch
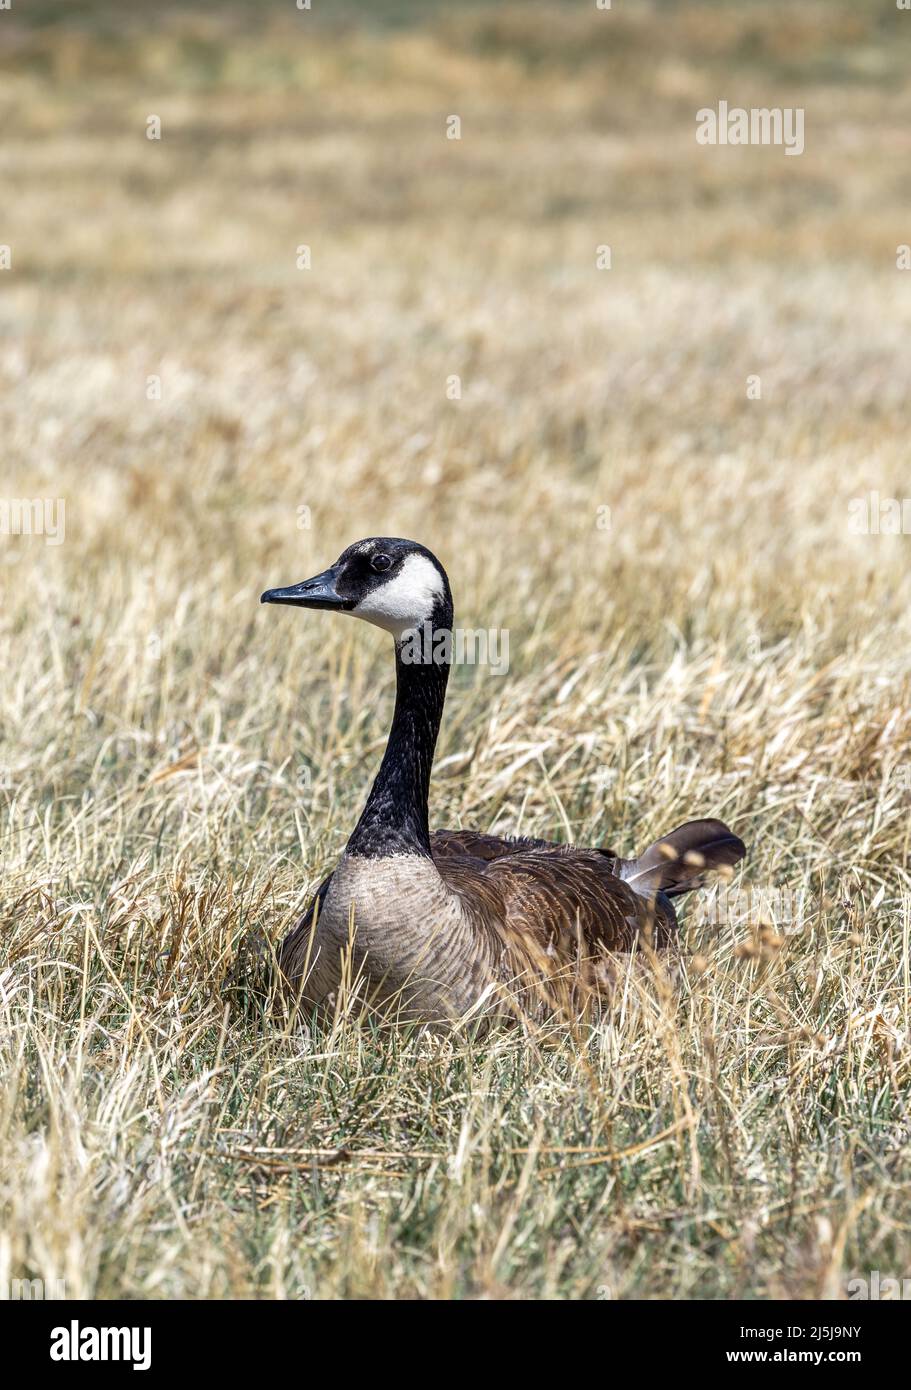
x,y
407,600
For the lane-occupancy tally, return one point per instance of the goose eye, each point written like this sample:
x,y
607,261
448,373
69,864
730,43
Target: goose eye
x,y
381,562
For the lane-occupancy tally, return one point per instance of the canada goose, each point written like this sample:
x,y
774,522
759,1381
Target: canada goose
x,y
456,923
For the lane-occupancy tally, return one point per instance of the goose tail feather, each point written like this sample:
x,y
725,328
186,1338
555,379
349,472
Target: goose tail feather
x,y
682,859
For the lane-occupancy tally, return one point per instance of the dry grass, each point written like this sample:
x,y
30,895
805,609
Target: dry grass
x,y
180,766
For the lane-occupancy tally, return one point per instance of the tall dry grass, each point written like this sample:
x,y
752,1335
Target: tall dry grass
x,y
180,767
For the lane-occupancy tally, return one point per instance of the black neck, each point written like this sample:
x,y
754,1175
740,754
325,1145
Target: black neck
x,y
394,821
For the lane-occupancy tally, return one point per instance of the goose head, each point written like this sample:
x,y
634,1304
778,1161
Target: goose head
x,y
394,584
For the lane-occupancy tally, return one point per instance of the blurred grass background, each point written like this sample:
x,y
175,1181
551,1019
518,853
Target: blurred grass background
x,y
179,766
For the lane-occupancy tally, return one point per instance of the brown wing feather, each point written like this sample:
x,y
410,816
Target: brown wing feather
x,y
449,845
554,915
549,888
567,893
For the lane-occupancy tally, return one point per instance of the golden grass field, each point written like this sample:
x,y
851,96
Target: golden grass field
x,y
180,766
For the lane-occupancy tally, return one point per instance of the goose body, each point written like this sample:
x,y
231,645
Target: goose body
x,y
460,924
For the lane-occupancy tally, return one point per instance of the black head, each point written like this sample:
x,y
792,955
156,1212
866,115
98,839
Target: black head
x,y
395,584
